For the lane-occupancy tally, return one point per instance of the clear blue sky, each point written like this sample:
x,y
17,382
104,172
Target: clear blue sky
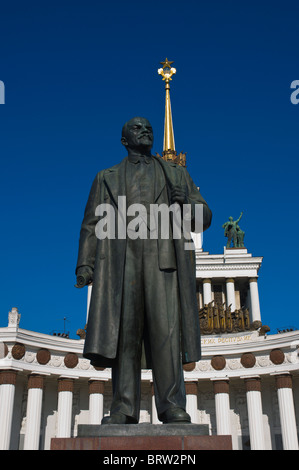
x,y
75,71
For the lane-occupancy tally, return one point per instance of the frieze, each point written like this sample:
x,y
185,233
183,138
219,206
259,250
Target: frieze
x,y
43,356
218,362
225,267
263,361
71,360
18,351
292,357
248,360
3,350
84,364
56,360
234,364
277,356
29,357
189,367
203,366
214,340
234,361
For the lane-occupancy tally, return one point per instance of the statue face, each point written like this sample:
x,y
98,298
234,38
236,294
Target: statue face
x,y
138,135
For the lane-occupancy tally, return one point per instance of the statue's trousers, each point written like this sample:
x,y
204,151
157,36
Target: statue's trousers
x,y
150,313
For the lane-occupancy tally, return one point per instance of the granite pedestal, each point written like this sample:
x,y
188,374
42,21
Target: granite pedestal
x,y
148,437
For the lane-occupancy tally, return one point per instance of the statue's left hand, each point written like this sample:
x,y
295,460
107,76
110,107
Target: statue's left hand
x,y
178,195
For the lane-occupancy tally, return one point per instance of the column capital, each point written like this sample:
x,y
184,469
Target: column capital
x,y
284,381
253,384
191,388
221,386
65,384
96,386
35,381
252,279
8,377
207,281
229,279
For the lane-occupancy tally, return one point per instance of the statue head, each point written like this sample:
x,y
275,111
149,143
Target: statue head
x,y
230,218
137,135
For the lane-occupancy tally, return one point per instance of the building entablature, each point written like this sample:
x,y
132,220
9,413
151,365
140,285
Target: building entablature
x,y
231,264
231,355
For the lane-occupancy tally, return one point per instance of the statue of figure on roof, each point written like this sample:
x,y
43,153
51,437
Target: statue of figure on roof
x,y
233,233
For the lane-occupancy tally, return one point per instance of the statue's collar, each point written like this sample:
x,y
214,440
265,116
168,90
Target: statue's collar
x,y
137,157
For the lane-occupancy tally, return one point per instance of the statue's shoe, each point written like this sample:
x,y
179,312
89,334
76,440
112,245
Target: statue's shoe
x,y
118,418
175,415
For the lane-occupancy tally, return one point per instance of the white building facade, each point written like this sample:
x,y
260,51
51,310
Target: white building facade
x,y
246,384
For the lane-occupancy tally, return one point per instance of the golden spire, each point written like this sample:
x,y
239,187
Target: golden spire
x,y
167,71
169,152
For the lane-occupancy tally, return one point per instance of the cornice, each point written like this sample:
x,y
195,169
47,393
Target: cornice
x,y
40,340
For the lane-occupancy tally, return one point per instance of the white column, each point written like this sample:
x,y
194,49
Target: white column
x,y
287,412
230,294
255,413
89,292
197,239
254,300
207,291
191,400
221,390
34,412
65,404
155,419
96,401
7,394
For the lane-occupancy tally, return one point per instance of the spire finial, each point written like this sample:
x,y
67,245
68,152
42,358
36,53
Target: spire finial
x,y
166,72
169,152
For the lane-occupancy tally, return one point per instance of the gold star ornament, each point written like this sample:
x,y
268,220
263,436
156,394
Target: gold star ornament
x,y
167,71
166,63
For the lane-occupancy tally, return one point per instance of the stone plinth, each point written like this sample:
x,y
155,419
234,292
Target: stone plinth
x,y
143,437
142,429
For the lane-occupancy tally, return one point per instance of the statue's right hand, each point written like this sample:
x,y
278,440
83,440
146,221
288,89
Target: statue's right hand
x,y
84,277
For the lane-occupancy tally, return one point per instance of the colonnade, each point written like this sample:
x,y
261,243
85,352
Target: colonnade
x,y
96,409
231,297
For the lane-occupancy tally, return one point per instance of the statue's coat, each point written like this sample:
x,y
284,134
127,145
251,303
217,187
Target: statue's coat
x,y
107,258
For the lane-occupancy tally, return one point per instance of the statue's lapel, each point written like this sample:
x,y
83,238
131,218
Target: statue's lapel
x,y
115,179
159,181
165,172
